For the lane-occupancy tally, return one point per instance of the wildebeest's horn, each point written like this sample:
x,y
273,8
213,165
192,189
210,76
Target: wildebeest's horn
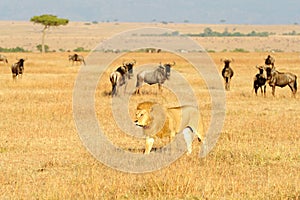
x,y
173,63
134,61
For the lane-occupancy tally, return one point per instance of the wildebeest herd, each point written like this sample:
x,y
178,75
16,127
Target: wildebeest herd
x,y
267,75
119,77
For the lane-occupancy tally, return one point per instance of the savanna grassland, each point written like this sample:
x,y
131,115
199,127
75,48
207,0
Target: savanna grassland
x,y
42,157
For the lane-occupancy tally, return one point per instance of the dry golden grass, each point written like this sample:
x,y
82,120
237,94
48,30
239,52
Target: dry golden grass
x,y
41,156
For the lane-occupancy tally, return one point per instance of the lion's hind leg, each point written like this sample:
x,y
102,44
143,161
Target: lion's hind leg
x,y
188,137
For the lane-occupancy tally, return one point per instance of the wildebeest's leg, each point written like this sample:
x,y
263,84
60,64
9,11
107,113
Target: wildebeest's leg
x,y
293,88
125,86
149,144
227,83
273,91
113,81
255,89
139,82
265,87
114,89
261,90
159,88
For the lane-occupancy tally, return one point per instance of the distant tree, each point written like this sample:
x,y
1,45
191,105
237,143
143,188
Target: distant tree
x,y
47,21
39,47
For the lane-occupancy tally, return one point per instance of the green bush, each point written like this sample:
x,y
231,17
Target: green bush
x,y
80,49
16,49
208,32
240,50
291,33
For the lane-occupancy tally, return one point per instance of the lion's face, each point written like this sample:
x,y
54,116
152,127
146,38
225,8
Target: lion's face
x,y
142,118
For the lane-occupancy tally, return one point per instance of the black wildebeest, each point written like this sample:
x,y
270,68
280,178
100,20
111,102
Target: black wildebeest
x,y
157,76
18,68
269,61
76,58
3,59
260,81
281,79
227,72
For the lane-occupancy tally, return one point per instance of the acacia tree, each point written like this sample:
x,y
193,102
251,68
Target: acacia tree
x,y
47,21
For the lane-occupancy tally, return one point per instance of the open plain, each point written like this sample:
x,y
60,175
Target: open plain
x,y
42,157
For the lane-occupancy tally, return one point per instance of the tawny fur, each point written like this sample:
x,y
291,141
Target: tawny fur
x,y
158,121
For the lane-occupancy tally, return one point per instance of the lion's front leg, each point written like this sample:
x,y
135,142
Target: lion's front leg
x,y
149,144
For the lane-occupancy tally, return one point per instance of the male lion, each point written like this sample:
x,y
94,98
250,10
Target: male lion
x,y
160,122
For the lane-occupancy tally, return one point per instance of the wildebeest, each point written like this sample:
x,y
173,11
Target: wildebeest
x,y
18,68
3,59
260,81
281,79
76,58
129,67
117,80
269,61
119,77
227,72
157,76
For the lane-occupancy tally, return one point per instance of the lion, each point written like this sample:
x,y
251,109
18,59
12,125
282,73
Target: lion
x,y
158,122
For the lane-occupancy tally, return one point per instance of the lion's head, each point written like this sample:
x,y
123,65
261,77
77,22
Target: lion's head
x,y
142,118
142,114
152,117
